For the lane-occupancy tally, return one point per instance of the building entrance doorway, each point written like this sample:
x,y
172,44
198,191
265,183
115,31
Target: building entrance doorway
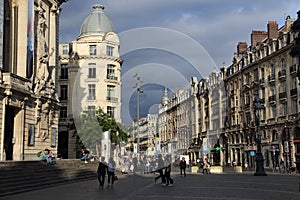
x,y
9,132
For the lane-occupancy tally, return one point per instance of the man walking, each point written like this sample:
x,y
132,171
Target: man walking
x,y
160,168
168,163
182,166
102,168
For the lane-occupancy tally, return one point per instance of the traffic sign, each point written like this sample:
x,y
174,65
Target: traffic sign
x,y
252,153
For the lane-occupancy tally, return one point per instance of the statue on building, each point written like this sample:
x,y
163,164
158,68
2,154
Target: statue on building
x,y
42,74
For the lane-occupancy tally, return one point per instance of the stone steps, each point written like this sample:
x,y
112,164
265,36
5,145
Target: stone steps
x,y
22,176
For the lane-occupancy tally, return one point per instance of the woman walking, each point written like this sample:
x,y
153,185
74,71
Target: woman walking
x,y
111,170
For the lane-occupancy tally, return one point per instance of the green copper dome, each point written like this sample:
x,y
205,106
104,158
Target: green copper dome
x,y
96,22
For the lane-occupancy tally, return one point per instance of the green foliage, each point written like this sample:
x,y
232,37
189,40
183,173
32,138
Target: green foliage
x,y
89,128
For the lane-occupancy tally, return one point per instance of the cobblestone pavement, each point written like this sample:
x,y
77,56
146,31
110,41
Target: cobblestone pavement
x,y
194,186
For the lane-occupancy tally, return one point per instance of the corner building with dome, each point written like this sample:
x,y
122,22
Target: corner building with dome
x,y
89,76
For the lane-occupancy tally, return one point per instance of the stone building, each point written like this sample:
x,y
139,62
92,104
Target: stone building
x,y
212,114
146,134
177,126
29,106
89,75
267,71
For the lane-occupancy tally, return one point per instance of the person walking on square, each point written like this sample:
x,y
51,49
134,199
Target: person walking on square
x,y
206,166
102,169
160,170
111,170
168,162
182,166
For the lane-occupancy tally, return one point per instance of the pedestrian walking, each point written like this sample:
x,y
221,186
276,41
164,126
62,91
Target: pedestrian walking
x,y
206,166
160,168
168,162
135,164
102,169
111,170
182,165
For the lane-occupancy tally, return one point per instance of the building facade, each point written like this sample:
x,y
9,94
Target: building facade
x,y
146,135
89,75
177,126
264,70
212,114
29,105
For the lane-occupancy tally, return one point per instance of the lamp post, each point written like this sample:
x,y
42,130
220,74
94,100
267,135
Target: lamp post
x,y
259,171
138,90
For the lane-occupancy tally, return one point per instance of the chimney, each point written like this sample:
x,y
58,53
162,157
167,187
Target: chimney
x,y
257,37
272,30
242,48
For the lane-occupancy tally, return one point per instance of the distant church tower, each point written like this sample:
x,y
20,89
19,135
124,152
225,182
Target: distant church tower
x,y
90,73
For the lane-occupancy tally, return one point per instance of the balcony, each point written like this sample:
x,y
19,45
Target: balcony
x,y
282,96
293,92
91,98
293,69
271,78
282,74
272,99
112,99
112,77
262,82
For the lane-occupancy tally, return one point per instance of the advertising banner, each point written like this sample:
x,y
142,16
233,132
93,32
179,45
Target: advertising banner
x,y
30,39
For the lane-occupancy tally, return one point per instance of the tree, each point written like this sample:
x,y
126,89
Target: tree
x,y
89,128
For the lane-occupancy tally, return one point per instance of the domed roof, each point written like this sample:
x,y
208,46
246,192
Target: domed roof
x,y
96,22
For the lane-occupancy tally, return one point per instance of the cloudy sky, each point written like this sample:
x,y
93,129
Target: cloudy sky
x,y
207,32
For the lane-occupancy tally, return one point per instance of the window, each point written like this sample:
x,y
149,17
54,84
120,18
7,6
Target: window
x,y
284,109
63,112
272,69
256,75
294,83
283,86
273,111
111,93
92,71
63,92
109,51
65,50
294,106
247,99
92,92
31,134
91,108
262,73
111,72
283,64
64,71
93,50
111,111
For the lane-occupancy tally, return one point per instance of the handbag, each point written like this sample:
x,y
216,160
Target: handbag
x,y
116,178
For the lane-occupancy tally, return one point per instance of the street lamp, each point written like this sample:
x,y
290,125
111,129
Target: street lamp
x,y
138,90
259,171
